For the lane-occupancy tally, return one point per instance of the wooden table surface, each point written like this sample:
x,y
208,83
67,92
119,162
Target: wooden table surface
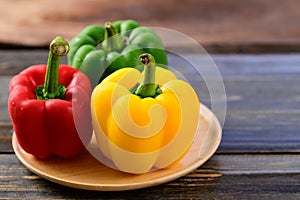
x,y
259,155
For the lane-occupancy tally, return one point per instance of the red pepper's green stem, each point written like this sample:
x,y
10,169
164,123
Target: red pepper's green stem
x,y
51,89
148,87
112,39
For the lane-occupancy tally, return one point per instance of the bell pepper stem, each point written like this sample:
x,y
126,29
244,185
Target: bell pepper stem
x,y
51,89
148,87
112,40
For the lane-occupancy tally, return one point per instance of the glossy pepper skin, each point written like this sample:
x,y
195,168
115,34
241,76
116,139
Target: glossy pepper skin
x,y
145,126
43,110
98,51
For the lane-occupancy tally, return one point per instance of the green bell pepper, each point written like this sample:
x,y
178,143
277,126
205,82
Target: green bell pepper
x,y
98,51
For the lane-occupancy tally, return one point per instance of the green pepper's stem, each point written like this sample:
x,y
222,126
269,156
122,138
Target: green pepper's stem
x,y
148,87
51,89
112,39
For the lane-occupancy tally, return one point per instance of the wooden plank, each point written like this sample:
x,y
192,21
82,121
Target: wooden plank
x,y
13,61
256,64
222,177
4,82
218,165
221,26
245,164
263,131
5,138
236,66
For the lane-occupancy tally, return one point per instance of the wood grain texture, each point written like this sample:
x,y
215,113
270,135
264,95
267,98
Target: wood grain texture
x,y
221,26
5,137
258,157
219,178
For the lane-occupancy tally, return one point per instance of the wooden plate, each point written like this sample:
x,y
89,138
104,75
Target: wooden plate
x,y
86,172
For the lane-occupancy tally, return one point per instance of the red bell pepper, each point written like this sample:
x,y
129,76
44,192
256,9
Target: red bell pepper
x,y
48,103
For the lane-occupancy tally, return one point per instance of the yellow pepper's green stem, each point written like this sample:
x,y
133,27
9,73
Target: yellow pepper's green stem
x,y
112,40
148,87
51,89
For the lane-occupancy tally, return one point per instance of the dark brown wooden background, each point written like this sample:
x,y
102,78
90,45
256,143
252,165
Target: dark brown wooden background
x,y
220,26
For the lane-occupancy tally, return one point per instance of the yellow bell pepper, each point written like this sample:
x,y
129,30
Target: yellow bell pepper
x,y
146,127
